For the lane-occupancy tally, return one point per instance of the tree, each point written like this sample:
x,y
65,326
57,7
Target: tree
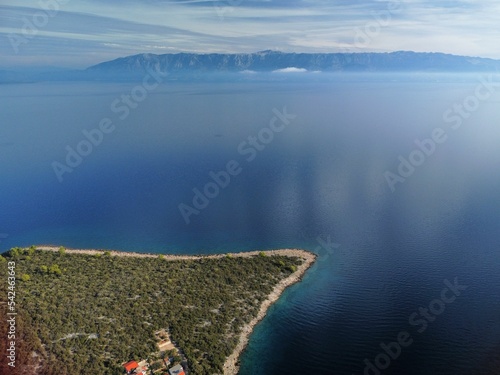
x,y
155,366
16,251
62,251
55,269
25,277
31,250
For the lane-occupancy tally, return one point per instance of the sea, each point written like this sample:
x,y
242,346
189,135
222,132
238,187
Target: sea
x,y
392,179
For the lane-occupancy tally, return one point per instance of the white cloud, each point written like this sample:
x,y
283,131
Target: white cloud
x,y
290,70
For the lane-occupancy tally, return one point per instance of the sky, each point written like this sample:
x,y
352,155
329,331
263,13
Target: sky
x,y
80,33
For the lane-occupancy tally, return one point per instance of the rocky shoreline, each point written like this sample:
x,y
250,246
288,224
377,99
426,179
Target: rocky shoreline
x,y
231,366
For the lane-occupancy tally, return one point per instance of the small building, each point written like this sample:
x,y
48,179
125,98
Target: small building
x,y
176,370
130,366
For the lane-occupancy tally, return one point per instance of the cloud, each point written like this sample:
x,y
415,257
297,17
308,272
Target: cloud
x,y
290,70
86,32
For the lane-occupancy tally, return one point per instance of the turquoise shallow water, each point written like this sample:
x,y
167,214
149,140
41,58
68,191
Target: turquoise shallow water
x,y
319,180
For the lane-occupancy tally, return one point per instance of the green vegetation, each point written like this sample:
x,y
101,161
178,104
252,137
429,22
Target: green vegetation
x,y
85,314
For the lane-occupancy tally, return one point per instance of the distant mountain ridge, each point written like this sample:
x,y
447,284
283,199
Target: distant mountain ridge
x,y
268,61
189,66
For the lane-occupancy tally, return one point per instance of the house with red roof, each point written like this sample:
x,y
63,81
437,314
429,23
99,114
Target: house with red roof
x,y
130,366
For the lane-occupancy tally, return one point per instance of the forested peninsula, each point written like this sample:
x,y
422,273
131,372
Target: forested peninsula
x,y
96,311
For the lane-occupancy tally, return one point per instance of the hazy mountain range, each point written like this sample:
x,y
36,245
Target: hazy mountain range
x,y
185,64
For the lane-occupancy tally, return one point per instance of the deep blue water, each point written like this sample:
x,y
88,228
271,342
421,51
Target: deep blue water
x,y
320,179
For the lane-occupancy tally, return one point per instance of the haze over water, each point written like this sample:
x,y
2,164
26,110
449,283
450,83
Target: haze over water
x,y
321,179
